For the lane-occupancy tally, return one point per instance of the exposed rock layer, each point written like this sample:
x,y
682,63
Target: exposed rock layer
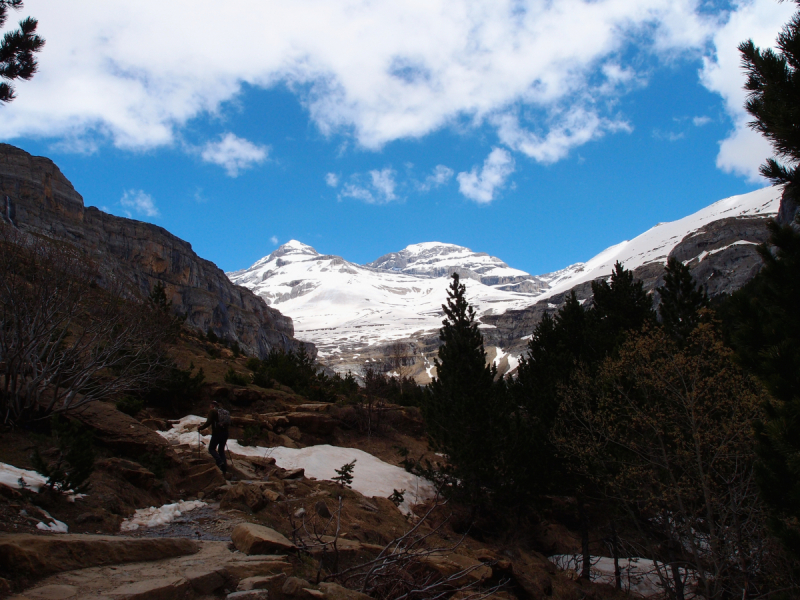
x,y
37,198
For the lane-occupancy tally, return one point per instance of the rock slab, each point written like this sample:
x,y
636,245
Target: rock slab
x,y
257,539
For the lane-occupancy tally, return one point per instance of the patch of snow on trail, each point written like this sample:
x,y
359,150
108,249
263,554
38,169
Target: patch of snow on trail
x,y
371,476
153,517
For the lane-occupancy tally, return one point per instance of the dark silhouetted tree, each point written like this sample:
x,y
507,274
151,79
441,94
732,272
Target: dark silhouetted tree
x,y
681,301
17,50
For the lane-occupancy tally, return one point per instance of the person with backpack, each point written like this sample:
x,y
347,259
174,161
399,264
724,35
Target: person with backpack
x,y
219,420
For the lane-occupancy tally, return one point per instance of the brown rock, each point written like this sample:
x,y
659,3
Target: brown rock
x,y
448,565
199,475
167,588
52,592
249,595
291,474
312,422
333,591
244,495
295,587
132,472
257,539
293,433
273,583
27,554
205,581
117,430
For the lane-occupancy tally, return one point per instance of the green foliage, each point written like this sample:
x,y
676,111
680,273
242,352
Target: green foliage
x,y
344,475
232,376
75,461
465,410
397,390
298,370
176,387
773,85
681,301
130,405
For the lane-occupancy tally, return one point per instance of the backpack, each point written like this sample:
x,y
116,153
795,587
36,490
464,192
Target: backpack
x,y
223,418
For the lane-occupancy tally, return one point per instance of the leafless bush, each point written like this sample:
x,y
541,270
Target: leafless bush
x,y
65,340
403,569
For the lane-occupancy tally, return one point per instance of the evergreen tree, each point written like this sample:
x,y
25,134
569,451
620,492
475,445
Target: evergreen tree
x,y
765,320
681,301
464,408
619,306
773,83
766,336
17,50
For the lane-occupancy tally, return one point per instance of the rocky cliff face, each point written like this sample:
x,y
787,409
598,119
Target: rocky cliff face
x,y
36,197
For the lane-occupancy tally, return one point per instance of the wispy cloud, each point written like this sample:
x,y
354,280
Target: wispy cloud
x,y
700,121
482,186
138,202
440,176
378,187
234,154
332,180
274,240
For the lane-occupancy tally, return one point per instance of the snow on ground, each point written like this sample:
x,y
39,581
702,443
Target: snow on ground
x,y
155,516
10,476
371,476
639,575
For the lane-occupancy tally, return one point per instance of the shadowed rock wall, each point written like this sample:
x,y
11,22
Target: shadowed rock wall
x,y
36,197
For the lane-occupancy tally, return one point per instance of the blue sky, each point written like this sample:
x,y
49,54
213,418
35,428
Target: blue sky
x,y
539,132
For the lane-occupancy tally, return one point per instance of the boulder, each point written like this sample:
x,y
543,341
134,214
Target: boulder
x,y
257,539
312,422
273,583
132,472
333,591
27,554
294,587
448,565
199,474
119,431
250,495
249,595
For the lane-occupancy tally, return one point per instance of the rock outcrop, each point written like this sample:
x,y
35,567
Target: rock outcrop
x,y
37,198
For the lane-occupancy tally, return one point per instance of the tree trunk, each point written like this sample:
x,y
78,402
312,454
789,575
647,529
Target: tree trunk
x,y
584,524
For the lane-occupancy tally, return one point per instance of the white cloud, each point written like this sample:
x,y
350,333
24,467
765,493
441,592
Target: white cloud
x,y
700,121
234,154
760,20
379,188
139,202
274,240
441,175
332,179
566,130
482,186
381,71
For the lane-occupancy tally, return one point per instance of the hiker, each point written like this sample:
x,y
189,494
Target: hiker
x,y
218,419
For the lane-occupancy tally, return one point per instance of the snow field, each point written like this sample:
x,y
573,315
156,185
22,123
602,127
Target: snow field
x,y
371,476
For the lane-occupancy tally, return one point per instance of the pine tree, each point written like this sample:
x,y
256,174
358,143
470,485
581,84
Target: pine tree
x,y
464,408
766,336
681,301
773,83
17,50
